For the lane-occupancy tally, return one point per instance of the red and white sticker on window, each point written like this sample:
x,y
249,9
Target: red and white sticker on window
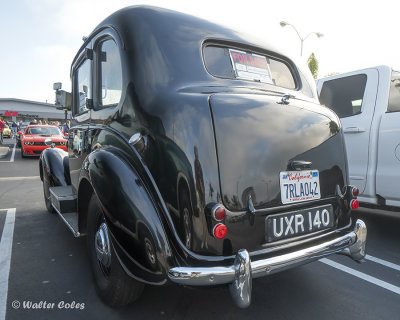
x,y
250,66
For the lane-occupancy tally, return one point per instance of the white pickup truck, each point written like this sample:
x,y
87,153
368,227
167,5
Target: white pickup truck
x,y
368,104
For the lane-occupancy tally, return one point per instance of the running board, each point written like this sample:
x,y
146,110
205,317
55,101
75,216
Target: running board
x,y
63,198
71,220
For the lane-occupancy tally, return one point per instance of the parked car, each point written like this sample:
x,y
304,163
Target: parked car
x,y
18,135
197,156
368,104
33,139
7,131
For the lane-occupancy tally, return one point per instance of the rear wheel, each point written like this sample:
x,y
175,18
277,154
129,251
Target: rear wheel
x,y
186,221
113,285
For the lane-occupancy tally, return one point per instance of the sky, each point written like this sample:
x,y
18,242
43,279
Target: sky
x,y
39,38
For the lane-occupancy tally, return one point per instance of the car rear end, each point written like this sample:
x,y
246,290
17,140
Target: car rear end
x,y
285,197
7,132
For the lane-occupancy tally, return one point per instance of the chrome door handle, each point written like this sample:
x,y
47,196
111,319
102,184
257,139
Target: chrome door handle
x,y
300,165
353,130
285,99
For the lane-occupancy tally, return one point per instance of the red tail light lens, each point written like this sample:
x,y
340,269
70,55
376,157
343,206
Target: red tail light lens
x,y
218,213
220,231
355,192
354,204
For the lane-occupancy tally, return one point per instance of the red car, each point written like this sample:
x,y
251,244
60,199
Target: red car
x,y
34,137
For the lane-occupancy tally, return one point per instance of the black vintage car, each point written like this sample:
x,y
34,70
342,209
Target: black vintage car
x,y
197,156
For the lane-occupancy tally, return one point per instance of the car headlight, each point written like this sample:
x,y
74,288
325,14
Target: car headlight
x,y
27,143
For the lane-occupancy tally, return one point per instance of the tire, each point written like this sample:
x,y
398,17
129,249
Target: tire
x,y
46,194
113,285
186,225
22,153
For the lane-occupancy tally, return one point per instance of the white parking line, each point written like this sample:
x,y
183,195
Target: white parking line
x,y
12,155
5,259
383,262
363,276
19,178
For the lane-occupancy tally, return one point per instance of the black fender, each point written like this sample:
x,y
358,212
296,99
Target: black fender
x,y
131,213
54,166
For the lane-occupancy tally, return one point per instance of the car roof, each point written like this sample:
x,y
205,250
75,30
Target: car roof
x,y
154,31
165,48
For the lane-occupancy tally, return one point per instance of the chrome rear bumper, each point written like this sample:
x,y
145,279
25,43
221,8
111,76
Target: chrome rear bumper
x,y
240,274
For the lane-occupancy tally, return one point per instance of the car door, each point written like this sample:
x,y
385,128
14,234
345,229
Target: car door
x,y
353,98
82,88
388,168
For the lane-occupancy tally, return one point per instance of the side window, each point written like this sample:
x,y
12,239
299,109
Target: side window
x,y
110,74
344,95
394,95
84,85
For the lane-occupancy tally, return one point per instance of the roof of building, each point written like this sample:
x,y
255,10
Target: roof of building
x,y
27,101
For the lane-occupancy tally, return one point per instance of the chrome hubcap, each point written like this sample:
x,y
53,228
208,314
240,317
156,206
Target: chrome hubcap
x,y
150,251
186,225
102,244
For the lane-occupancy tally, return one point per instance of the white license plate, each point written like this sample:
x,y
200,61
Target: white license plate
x,y
298,186
298,223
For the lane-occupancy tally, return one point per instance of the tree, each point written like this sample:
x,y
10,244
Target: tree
x,y
313,65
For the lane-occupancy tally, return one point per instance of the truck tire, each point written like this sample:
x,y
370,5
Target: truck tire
x,y
46,194
113,285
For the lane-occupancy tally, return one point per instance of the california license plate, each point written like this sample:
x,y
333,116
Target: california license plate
x,y
299,222
298,186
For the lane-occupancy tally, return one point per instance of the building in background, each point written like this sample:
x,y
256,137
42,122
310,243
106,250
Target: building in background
x,y
26,110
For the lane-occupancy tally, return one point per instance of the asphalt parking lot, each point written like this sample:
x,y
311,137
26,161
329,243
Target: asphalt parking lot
x,y
44,271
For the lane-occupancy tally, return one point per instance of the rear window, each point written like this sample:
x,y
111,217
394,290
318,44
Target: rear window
x,y
394,95
239,64
344,95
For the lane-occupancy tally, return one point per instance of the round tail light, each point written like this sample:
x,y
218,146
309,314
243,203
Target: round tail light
x,y
355,192
354,204
220,231
218,213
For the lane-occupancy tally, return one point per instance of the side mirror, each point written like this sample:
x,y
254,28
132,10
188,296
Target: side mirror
x,y
19,133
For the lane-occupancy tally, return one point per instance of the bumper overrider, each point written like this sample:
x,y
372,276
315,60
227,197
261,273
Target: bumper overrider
x,y
239,275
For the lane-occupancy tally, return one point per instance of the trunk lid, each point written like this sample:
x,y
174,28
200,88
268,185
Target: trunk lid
x,y
257,138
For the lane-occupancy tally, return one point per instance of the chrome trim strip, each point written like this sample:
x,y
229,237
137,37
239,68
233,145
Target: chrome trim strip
x,y
205,276
75,233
